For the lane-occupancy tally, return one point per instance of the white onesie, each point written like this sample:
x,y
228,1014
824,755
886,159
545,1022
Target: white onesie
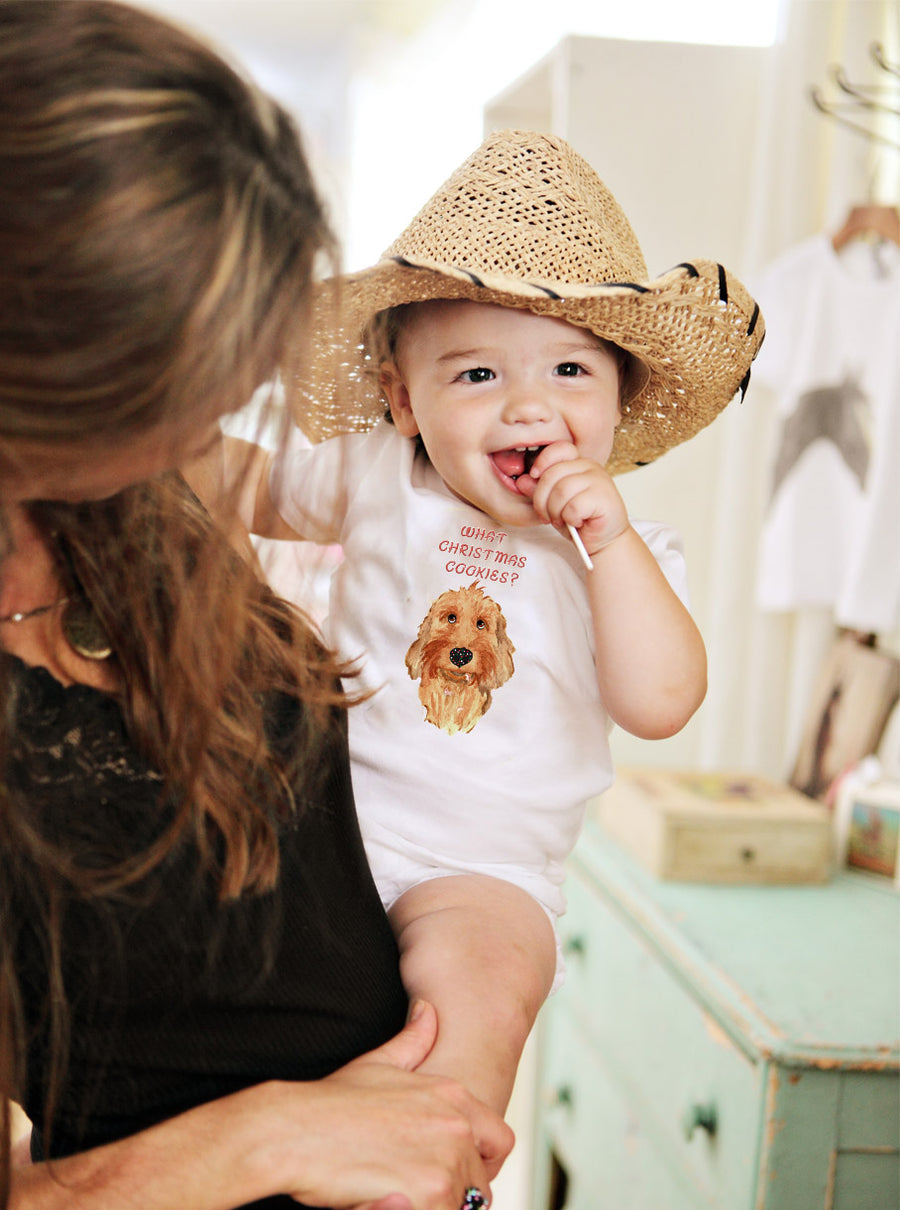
x,y
492,775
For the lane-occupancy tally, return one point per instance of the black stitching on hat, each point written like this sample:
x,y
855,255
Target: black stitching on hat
x,y
642,464
693,271
723,285
401,260
753,319
624,285
745,382
545,290
472,278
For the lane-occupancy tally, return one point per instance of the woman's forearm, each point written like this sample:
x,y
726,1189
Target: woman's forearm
x,y
209,1158
372,1128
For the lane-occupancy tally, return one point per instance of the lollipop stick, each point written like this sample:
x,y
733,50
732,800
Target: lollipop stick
x,y
579,546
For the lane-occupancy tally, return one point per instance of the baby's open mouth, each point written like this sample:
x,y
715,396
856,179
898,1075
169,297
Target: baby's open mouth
x,y
515,462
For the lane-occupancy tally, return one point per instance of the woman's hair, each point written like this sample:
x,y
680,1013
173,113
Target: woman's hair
x,y
158,228
207,659
159,232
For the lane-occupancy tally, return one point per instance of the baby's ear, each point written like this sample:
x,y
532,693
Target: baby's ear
x,y
397,395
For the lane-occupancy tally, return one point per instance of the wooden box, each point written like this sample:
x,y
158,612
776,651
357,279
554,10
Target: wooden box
x,y
717,827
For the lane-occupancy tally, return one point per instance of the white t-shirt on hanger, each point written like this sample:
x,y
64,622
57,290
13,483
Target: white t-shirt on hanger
x,y
831,535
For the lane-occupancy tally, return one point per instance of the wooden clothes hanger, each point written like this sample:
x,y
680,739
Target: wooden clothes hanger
x,y
868,222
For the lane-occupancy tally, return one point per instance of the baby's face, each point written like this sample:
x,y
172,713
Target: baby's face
x,y
487,387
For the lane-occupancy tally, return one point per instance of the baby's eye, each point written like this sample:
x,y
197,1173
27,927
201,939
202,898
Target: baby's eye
x,y
479,374
569,369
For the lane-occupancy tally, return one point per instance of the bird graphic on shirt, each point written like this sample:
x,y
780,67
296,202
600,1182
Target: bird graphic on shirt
x,y
840,413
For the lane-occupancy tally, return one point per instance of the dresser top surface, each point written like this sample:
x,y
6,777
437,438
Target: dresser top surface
x,y
810,974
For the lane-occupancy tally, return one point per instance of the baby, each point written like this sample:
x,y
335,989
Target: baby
x,y
524,358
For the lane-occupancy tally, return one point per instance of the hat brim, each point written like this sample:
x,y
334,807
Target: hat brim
x,y
695,329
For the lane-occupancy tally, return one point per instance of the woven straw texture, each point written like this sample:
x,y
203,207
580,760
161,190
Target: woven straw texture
x,y
526,222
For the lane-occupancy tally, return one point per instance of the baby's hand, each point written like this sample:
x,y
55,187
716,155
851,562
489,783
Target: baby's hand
x,y
571,490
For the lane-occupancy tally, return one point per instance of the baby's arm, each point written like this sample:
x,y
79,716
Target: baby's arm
x,y
482,951
232,480
651,662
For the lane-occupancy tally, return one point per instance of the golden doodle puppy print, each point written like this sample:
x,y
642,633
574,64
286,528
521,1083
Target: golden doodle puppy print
x,y
460,655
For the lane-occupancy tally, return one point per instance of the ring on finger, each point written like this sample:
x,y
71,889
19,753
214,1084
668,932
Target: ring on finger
x,y
474,1199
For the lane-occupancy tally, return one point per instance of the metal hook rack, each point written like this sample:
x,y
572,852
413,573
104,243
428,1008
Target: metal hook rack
x,y
863,100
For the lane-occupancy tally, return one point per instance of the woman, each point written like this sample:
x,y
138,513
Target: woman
x,y
192,951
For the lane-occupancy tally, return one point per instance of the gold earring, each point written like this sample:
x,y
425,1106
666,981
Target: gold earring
x,y
83,631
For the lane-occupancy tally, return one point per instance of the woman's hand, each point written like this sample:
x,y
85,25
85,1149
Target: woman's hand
x,y
379,1136
375,1135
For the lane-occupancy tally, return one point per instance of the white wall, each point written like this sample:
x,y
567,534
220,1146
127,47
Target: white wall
x,y
418,106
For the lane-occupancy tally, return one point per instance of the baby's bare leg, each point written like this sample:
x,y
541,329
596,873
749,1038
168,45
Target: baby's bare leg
x,y
482,951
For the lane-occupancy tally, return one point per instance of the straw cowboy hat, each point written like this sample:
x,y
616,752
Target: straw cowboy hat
x,y
526,222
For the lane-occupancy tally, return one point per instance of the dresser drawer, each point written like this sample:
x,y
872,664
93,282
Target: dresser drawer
x,y
596,1136
695,1092
837,1142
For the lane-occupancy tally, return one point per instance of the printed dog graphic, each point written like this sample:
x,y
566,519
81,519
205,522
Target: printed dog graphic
x,y
460,655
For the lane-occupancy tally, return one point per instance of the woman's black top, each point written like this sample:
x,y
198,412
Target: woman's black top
x,y
174,997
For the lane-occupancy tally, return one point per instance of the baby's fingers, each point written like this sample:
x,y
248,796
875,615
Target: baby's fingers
x,y
552,455
589,502
557,483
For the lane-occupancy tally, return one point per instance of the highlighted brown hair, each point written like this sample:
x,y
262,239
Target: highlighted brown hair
x,y
158,238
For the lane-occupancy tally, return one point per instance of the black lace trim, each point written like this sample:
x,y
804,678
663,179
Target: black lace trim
x,y
70,755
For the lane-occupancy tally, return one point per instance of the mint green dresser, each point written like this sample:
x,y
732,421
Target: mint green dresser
x,y
735,1048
